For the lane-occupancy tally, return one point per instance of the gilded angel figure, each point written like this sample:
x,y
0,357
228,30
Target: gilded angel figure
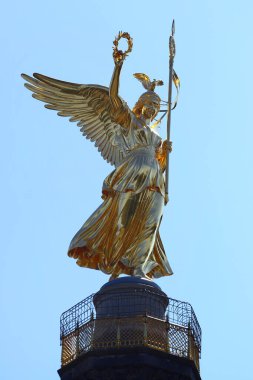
x,y
122,235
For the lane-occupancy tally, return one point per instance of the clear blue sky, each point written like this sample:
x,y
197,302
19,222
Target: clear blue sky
x,y
52,177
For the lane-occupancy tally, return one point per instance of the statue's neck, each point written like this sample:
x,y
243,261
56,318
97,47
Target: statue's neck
x,y
145,121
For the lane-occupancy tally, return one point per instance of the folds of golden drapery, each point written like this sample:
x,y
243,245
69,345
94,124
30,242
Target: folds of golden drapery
x,y
122,236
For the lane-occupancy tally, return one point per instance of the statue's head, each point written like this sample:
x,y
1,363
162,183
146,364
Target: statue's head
x,y
147,105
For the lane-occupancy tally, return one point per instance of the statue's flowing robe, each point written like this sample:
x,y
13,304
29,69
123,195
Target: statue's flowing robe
x,y
122,235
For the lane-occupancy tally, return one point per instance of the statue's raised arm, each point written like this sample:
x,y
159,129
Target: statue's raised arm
x,y
119,109
114,88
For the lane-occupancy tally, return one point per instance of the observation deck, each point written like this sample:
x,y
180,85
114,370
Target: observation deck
x,y
127,314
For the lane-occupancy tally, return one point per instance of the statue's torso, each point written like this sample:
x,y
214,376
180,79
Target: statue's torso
x,y
139,169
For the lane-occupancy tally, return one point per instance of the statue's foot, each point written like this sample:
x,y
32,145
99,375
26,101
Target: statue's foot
x,y
138,272
113,276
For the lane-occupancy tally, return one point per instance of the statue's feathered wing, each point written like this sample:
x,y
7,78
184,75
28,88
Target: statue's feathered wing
x,y
88,105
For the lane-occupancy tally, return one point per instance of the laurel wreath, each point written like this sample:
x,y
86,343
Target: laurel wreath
x,y
119,55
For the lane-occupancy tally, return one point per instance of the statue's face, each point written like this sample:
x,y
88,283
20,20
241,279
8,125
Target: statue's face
x,y
150,110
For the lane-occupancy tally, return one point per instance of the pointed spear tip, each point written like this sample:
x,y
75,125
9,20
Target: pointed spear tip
x,y
173,28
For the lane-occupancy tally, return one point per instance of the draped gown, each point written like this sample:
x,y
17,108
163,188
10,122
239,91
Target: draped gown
x,y
122,235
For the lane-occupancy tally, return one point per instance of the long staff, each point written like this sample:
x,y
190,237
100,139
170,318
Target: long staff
x,y
172,52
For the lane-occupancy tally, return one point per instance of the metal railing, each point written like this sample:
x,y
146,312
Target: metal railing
x,y
178,333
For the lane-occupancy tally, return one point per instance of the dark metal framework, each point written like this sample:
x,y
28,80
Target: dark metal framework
x,y
177,333
182,314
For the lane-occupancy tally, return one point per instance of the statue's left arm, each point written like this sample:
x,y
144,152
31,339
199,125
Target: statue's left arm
x,y
161,153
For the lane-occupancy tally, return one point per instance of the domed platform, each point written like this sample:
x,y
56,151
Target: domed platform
x,y
130,329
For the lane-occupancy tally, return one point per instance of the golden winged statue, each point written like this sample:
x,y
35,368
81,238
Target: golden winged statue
x,y
122,235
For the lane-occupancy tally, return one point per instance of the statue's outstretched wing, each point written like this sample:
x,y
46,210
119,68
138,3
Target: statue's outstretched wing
x,y
88,105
